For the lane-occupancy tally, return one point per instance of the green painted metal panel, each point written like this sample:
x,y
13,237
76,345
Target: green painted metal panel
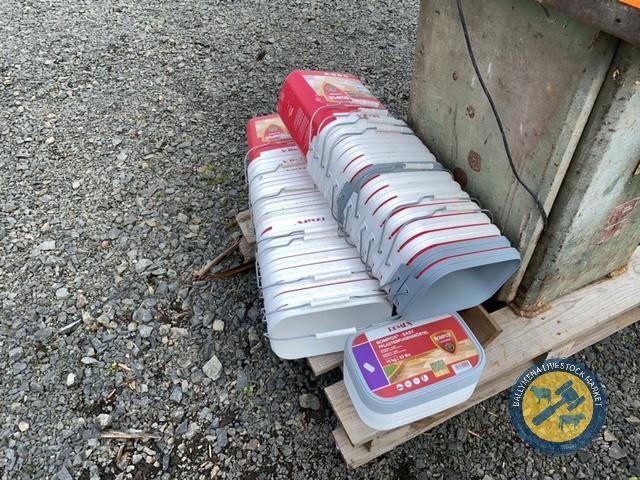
x,y
595,222
544,70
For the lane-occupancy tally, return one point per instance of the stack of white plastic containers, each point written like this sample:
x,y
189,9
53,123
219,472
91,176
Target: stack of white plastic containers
x,y
316,289
433,249
350,210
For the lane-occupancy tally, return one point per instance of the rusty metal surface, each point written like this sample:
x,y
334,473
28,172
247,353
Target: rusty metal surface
x,y
544,70
611,16
595,222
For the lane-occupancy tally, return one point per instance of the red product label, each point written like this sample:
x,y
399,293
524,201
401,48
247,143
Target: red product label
x,y
445,339
267,133
398,359
316,96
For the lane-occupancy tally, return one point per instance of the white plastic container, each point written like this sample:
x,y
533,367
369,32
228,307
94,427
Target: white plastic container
x,y
397,373
319,326
316,290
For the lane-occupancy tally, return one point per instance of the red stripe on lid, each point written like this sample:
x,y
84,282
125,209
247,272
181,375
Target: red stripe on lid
x,y
450,242
461,255
439,230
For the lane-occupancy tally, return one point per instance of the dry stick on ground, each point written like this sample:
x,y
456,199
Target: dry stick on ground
x,y
131,434
203,271
233,271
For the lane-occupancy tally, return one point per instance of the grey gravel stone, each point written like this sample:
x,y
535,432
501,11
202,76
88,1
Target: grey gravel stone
x,y
176,395
142,265
213,368
218,326
142,315
616,452
104,420
47,246
62,293
222,438
63,474
145,330
309,401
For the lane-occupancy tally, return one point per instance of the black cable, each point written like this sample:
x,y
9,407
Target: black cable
x,y
539,205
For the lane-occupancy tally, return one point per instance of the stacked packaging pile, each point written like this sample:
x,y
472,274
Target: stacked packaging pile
x,y
354,219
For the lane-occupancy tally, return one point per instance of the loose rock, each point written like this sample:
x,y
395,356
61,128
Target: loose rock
x,y
213,368
104,420
309,401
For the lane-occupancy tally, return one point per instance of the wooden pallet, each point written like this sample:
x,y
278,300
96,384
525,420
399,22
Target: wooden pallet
x,y
511,343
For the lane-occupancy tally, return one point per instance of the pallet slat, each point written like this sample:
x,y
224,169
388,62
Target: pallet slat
x,y
574,322
325,363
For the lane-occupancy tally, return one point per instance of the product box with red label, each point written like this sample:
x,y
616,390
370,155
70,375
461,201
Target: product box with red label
x,y
398,373
313,97
268,133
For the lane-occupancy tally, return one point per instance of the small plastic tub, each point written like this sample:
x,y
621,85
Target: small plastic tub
x,y
345,133
282,246
385,134
281,293
278,174
401,182
279,164
298,248
278,190
379,208
352,120
342,192
409,233
313,258
387,242
356,217
274,206
373,146
403,371
312,220
365,165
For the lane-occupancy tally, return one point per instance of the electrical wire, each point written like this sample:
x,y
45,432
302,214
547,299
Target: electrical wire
x,y
537,201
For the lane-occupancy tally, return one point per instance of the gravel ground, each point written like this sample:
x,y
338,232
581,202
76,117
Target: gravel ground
x,y
122,133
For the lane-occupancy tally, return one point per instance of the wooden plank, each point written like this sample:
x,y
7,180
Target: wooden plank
x,y
356,456
247,250
477,318
325,363
578,317
246,226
